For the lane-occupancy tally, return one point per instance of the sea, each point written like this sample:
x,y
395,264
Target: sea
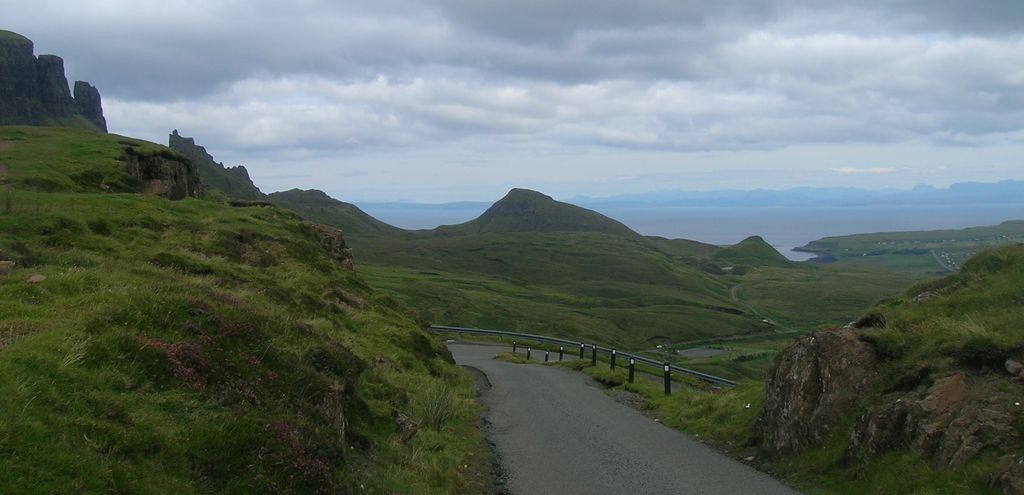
x,y
784,227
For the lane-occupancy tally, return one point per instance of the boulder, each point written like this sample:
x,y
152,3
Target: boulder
x,y
1014,368
815,383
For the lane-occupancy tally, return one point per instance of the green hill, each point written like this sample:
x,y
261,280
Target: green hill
x,y
752,251
189,346
523,210
319,207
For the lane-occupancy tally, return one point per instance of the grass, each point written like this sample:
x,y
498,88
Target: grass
x,y
194,347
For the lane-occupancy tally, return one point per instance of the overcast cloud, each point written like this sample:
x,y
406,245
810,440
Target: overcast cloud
x,y
461,100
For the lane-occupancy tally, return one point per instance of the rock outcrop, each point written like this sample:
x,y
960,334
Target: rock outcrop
x,y
34,91
815,383
333,242
53,87
166,175
233,181
827,379
90,105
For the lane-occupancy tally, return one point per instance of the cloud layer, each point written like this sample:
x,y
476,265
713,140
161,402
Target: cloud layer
x,y
400,98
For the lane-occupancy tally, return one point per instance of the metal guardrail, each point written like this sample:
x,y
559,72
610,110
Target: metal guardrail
x,y
595,348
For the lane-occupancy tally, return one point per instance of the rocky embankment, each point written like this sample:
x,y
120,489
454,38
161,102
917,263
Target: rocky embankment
x,y
163,174
34,90
952,413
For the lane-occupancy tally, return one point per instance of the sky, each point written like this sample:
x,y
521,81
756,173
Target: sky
x,y
451,100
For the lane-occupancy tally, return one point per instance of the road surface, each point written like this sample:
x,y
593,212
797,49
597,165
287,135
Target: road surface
x,y
555,433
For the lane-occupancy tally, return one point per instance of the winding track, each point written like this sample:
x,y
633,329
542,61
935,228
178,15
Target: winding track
x,y
555,433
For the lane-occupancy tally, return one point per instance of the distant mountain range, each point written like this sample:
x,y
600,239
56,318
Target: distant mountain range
x,y
1006,191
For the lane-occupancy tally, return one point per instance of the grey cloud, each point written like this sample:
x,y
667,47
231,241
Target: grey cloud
x,y
317,79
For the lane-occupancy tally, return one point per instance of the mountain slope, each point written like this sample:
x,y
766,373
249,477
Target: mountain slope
x,y
319,207
232,181
523,210
189,346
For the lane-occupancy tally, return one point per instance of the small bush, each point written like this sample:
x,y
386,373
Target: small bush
x,y
433,407
99,226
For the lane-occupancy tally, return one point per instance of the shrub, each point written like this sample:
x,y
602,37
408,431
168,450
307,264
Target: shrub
x,y
433,407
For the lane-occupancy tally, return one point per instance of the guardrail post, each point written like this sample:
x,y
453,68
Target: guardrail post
x,y
593,355
582,345
613,359
668,379
546,356
632,365
528,349
561,351
513,347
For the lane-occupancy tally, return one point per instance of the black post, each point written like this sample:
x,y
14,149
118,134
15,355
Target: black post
x,y
593,355
561,351
528,349
582,345
668,379
546,356
632,364
513,347
613,359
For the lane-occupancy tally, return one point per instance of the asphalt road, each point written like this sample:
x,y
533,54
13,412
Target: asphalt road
x,y
555,433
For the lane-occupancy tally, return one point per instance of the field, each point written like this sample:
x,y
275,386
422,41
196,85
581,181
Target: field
x,y
921,252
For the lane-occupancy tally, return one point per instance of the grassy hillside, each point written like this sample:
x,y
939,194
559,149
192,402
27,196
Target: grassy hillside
x,y
508,269
68,160
319,207
926,252
191,347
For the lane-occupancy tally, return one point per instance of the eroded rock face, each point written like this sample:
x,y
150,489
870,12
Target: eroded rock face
x,y
949,420
34,91
165,176
815,383
937,421
53,86
19,85
233,181
89,103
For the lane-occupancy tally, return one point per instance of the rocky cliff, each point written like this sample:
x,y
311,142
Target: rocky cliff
x,y
34,91
936,374
162,174
233,181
